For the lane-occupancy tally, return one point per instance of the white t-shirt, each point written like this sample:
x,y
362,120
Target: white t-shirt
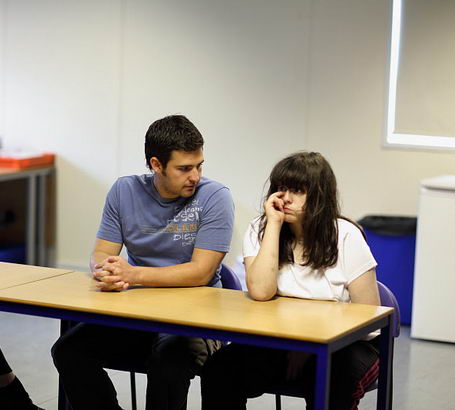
x,y
354,259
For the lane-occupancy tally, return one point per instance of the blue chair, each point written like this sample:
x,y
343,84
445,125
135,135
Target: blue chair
x,y
229,280
388,299
293,389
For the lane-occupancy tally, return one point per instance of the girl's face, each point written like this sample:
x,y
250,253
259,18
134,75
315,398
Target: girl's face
x,y
294,204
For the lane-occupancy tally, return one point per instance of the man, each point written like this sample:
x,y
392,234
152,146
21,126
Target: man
x,y
176,227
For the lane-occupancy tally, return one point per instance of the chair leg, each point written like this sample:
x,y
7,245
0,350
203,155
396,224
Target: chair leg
x,y
133,390
277,402
391,378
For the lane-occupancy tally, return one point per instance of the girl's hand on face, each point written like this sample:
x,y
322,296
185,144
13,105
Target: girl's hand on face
x,y
274,207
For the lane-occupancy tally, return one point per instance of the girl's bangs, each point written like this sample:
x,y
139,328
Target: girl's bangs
x,y
293,178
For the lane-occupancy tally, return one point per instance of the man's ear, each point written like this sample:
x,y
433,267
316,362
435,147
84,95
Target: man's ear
x,y
155,165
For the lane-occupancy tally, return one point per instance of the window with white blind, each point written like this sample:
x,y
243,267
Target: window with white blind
x,y
421,87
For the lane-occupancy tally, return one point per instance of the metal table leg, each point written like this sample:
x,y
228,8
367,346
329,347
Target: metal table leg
x,y
321,397
385,368
31,220
41,221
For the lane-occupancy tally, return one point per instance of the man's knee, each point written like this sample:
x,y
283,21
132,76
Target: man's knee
x,y
62,353
68,349
180,354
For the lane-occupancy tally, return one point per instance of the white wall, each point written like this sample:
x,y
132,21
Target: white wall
x,y
426,81
346,110
62,74
85,79
2,65
260,78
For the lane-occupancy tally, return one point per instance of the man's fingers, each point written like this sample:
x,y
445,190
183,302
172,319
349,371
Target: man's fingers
x,y
107,261
112,279
98,275
101,274
117,286
106,277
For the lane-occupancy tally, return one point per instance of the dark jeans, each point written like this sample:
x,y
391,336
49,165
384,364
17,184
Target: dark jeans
x,y
237,372
170,362
4,366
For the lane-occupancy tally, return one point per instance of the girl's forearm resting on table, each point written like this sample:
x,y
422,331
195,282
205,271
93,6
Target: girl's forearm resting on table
x,y
262,270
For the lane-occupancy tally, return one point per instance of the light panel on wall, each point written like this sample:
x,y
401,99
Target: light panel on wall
x,y
396,137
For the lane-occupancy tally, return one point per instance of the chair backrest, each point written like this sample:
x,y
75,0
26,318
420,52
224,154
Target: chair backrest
x,y
388,299
229,279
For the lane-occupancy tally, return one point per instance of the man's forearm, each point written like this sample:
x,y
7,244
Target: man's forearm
x,y
185,274
102,250
115,269
97,257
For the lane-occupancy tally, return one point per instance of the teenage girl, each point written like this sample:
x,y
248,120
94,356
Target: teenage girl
x,y
301,247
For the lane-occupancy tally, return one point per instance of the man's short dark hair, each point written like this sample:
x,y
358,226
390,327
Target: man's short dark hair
x,y
172,133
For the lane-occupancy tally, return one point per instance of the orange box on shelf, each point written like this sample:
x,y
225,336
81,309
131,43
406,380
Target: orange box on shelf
x,y
23,162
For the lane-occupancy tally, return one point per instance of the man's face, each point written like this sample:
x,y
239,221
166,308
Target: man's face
x,y
181,175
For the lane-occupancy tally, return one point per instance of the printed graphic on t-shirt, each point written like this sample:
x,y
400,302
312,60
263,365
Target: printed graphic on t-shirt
x,y
183,226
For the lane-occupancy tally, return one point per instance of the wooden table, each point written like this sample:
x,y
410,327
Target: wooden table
x,y
13,274
318,327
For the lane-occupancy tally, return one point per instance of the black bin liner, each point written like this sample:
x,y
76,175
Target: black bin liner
x,y
390,225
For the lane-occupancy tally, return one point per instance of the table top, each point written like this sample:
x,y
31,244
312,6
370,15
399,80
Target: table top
x,y
12,173
212,308
13,274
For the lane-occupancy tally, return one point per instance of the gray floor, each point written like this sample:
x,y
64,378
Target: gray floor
x,y
424,371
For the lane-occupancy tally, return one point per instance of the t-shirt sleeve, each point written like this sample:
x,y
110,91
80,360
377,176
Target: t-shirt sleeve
x,y
110,227
250,240
357,256
215,229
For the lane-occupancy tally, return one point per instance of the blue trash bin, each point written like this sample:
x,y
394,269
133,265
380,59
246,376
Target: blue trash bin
x,y
392,240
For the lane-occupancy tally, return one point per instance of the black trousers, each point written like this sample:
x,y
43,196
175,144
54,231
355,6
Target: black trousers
x,y
4,366
170,361
238,372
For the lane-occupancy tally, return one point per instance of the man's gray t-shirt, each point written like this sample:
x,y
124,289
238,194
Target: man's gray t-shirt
x,y
161,232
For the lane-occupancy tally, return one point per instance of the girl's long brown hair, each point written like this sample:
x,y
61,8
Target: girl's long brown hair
x,y
310,173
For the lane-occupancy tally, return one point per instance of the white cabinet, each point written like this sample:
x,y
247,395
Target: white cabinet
x,y
433,315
